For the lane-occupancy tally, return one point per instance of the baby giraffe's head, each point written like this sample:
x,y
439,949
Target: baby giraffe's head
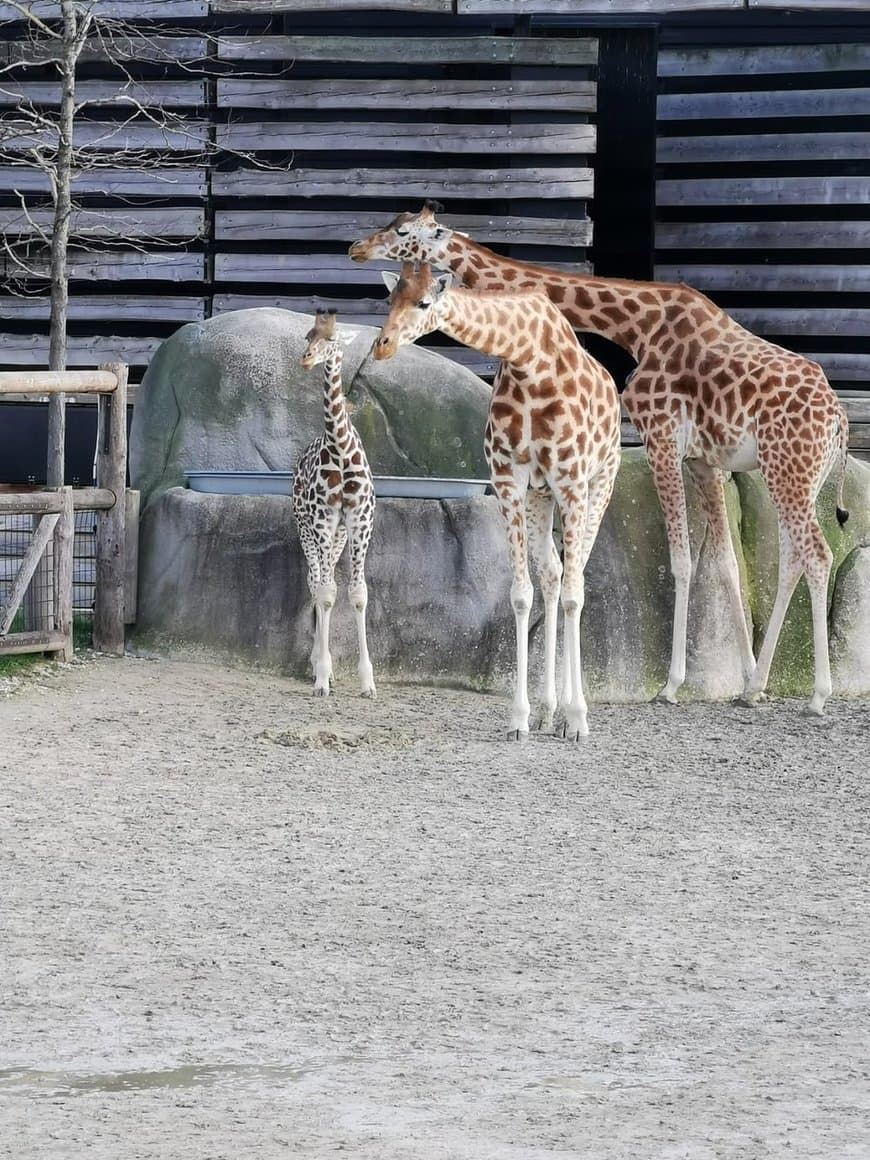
x,y
415,297
324,339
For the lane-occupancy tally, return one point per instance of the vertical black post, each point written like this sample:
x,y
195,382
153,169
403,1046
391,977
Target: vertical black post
x,y
624,206
623,209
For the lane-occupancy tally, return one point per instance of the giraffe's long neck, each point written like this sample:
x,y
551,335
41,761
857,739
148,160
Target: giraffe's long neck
x,y
503,326
625,312
335,418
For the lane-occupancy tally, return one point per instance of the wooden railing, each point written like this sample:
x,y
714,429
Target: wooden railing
x,y
114,594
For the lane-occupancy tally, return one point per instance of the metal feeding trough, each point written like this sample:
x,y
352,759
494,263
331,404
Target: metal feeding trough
x,y
281,483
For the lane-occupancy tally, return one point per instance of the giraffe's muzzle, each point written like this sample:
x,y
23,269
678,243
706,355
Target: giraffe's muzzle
x,y
359,251
384,347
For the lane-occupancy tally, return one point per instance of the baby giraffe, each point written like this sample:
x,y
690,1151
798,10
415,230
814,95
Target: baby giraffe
x,y
333,502
551,439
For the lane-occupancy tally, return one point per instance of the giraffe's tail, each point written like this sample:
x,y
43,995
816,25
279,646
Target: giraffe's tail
x,y
840,467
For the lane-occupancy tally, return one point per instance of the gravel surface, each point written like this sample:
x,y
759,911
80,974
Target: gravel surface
x,y
242,922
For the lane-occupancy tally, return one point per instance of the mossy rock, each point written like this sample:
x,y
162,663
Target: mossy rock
x,y
792,670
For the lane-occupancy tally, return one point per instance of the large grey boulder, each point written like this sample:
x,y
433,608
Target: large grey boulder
x,y
228,394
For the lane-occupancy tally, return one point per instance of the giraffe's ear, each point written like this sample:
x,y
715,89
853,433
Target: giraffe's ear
x,y
390,278
442,283
346,335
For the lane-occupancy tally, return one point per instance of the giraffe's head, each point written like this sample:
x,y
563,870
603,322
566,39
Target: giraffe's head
x,y
324,339
415,307
409,237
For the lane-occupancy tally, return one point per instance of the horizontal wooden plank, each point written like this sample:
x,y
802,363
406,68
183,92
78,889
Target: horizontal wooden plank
x,y
843,366
130,222
857,408
438,183
114,136
336,269
825,277
165,94
382,50
573,96
320,226
57,383
355,311
776,146
829,102
167,181
122,9
798,235
27,349
805,320
168,50
274,6
727,60
29,642
797,191
389,137
850,5
130,266
585,7
108,308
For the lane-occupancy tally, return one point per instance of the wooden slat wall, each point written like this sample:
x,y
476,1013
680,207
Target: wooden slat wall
x,y
138,264
764,191
349,130
501,129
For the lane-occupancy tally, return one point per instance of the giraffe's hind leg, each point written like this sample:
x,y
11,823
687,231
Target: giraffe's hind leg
x,y
512,507
360,526
711,491
572,507
665,464
324,602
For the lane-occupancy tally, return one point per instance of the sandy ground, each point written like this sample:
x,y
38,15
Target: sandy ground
x,y
242,922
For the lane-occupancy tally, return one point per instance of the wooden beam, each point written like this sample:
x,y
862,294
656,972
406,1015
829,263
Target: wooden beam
x,y
30,642
155,49
465,94
804,320
325,269
325,225
56,382
359,182
164,182
114,136
129,265
27,349
778,235
586,7
730,276
726,60
104,307
754,191
414,137
275,6
777,146
35,503
755,105
121,9
127,222
163,94
380,50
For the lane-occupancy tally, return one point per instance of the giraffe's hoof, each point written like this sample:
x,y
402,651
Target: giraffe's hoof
x,y
320,691
369,694
520,735
664,698
813,709
541,724
572,733
750,700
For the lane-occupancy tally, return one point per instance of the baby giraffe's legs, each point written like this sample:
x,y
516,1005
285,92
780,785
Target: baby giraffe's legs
x,y
324,602
360,534
539,519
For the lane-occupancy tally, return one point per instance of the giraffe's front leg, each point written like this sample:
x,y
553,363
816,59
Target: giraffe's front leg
x,y
512,508
539,516
360,525
668,477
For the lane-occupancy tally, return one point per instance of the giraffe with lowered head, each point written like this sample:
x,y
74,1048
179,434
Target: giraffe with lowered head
x,y
706,394
551,440
333,502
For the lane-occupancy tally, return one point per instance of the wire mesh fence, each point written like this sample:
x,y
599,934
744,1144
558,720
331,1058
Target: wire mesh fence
x,y
37,611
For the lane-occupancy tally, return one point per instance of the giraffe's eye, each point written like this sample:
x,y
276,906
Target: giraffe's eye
x,y
422,304
439,234
401,233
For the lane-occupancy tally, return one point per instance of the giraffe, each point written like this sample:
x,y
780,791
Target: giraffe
x,y
706,394
333,502
551,440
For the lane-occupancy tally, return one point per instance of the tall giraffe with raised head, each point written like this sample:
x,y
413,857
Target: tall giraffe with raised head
x,y
333,502
551,440
707,394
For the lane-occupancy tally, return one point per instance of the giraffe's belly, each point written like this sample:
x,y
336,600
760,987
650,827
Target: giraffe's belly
x,y
743,456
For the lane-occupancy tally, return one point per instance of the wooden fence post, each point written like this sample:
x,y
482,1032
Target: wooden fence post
x,y
64,539
111,524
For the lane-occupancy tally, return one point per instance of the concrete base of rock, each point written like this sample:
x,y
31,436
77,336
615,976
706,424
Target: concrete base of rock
x,y
226,574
